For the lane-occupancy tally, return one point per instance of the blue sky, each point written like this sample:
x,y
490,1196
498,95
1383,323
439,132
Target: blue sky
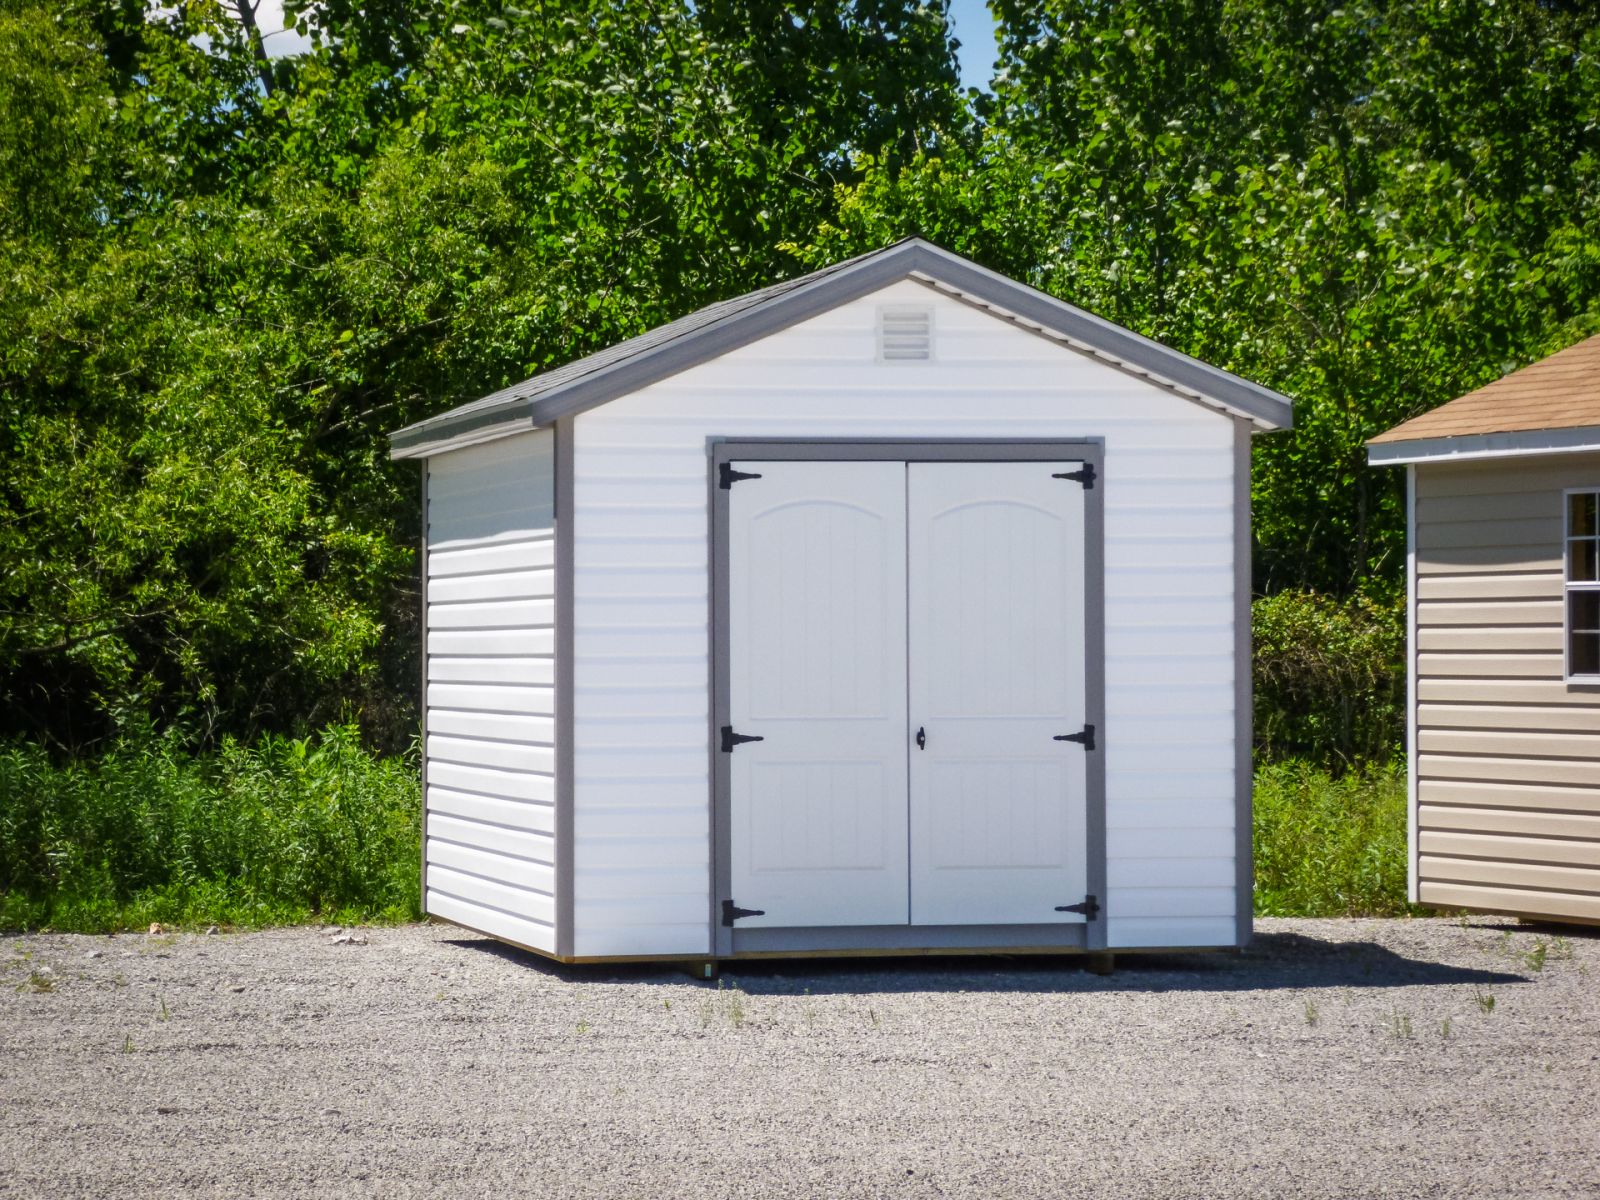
x,y
974,27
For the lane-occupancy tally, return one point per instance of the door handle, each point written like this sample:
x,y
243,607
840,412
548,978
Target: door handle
x,y
922,738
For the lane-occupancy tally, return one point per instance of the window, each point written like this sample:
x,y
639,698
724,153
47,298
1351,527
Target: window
x,y
1583,584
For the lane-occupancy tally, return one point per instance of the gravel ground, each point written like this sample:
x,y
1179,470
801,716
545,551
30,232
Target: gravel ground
x,y
1335,1058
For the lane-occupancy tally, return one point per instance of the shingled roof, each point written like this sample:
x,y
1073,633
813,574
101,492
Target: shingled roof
x,y
1559,392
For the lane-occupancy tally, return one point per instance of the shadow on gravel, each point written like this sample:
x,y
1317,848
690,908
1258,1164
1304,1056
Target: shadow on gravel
x,y
1274,960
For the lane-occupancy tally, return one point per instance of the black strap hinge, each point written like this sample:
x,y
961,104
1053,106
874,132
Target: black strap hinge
x,y
1090,907
1086,738
730,739
727,476
731,912
1085,476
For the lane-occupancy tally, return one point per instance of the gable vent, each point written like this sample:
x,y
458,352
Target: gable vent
x,y
905,333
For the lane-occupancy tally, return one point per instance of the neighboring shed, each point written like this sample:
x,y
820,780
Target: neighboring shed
x,y
895,608
1503,578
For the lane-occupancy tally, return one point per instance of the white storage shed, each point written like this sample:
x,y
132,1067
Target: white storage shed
x,y
895,608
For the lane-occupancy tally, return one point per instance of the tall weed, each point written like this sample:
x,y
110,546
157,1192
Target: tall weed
x,y
275,832
1330,846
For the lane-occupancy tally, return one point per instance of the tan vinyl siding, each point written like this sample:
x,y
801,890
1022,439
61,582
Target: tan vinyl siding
x,y
1508,753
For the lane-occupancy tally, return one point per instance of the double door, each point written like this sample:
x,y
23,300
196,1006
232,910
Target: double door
x,y
906,693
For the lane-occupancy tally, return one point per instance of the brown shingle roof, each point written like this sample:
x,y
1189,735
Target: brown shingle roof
x,y
1559,392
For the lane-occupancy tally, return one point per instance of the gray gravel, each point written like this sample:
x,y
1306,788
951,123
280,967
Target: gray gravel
x,y
1336,1058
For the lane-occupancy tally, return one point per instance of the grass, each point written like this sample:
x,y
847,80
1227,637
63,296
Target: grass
x,y
291,830
282,831
1329,846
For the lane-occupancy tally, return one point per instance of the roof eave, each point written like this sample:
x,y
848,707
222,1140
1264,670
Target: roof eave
x,y
1264,408
1475,447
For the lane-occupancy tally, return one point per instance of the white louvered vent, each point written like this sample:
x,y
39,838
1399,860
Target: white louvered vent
x,y
905,333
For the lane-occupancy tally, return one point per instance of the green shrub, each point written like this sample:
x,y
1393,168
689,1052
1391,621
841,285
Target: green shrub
x,y
1329,678
1330,846
277,832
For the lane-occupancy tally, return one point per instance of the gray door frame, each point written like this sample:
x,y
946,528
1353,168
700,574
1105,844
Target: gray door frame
x,y
729,942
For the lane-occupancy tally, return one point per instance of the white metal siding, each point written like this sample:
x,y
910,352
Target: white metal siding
x,y
642,631
491,689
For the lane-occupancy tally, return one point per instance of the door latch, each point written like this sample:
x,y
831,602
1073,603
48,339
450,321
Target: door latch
x,y
1085,739
922,738
731,912
1090,908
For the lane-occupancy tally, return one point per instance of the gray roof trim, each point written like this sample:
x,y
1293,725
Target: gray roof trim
x,y
720,328
1474,447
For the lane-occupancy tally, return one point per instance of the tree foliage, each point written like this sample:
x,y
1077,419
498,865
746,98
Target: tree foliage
x,y
226,278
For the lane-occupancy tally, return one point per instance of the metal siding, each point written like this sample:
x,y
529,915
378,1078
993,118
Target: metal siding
x,y
489,762
1507,752
642,662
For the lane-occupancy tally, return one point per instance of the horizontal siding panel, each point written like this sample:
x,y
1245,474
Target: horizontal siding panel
x,y
1505,612
1523,822
634,645
530,554
505,755
1528,666
1135,932
493,698
1534,876
535,817
501,727
481,532
1152,672
537,935
496,614
1509,795
1516,559
635,583
1168,583
1575,906
1143,843
521,874
493,781
539,846
1178,700
1508,770
495,672
641,852
1213,642
1511,848
500,585
639,936
1550,691
1506,478
690,700
1541,585
468,643
1158,756
1510,745
1572,718
662,818
1543,504
1169,872
604,900
1198,553
517,901
1470,639
1542,535
1167,901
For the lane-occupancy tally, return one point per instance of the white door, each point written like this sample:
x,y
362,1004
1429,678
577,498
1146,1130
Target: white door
x,y
996,597
817,609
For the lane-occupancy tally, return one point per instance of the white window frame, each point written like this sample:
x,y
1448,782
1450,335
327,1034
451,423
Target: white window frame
x,y
1568,586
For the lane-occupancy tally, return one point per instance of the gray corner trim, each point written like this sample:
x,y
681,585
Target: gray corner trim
x,y
1243,694
809,297
566,811
1476,446
1091,934
1413,786
422,571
